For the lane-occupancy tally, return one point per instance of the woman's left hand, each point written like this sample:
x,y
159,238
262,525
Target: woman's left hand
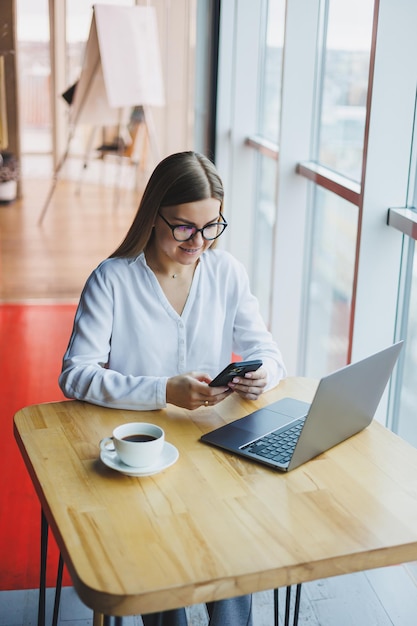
x,y
251,385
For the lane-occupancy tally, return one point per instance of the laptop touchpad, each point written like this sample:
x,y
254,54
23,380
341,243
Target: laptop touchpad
x,y
263,421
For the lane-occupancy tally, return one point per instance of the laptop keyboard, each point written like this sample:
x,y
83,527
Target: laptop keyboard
x,y
279,445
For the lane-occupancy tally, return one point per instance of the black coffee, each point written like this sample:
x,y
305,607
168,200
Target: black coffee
x,y
137,438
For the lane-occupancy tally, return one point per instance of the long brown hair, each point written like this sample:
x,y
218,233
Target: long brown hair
x,y
179,178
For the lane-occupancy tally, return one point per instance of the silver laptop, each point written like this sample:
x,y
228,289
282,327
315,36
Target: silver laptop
x,y
289,432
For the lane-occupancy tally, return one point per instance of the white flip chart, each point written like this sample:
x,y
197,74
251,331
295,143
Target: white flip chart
x,y
122,66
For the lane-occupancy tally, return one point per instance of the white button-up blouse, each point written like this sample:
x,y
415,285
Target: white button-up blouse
x,y
127,339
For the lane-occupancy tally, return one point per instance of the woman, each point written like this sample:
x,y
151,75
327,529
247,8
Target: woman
x,y
163,314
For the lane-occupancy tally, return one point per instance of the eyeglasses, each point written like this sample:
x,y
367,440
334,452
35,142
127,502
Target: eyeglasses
x,y
185,232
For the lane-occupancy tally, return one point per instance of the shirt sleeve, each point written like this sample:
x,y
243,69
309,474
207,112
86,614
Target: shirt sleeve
x,y
85,373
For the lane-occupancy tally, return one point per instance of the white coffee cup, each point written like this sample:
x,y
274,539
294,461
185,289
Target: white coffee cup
x,y
137,444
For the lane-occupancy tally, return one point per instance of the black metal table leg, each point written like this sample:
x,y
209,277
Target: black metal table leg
x,y
287,606
42,579
58,590
297,604
276,607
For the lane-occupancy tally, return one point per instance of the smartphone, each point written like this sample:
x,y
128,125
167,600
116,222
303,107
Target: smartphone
x,y
234,369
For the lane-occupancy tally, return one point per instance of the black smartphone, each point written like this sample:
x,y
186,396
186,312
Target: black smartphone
x,y
234,369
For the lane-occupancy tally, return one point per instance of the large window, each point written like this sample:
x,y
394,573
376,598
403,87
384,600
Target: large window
x,y
404,395
404,413
347,37
34,76
263,231
343,57
269,108
271,70
327,162
329,283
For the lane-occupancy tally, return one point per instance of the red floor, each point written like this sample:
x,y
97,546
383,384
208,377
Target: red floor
x,y
33,339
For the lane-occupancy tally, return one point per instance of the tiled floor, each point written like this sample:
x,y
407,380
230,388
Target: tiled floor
x,y
19,608
381,597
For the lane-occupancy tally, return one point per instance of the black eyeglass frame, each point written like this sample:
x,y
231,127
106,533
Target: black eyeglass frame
x,y
195,229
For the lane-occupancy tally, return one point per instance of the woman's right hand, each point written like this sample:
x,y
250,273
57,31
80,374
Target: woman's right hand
x,y
191,391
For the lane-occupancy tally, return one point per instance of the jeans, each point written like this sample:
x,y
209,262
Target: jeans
x,y
231,612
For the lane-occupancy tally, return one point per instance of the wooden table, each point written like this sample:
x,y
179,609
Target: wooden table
x,y
213,525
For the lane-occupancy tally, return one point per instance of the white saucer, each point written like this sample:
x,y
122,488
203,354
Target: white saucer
x,y
168,457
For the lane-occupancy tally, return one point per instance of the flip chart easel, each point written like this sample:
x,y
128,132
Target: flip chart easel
x,y
121,69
